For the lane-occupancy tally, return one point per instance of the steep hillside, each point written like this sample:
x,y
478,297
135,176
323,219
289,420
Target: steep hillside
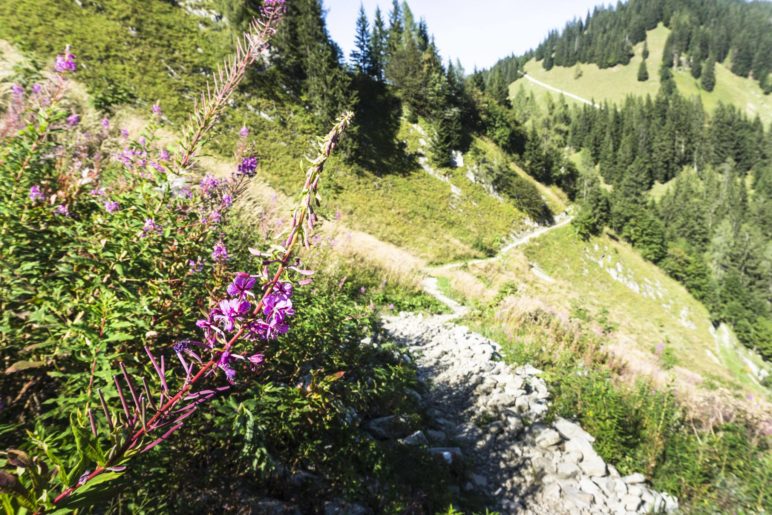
x,y
647,319
595,84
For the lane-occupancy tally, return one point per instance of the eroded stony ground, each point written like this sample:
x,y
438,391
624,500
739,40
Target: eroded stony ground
x,y
490,416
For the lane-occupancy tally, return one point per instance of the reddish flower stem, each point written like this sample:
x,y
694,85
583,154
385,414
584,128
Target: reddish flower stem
x,y
299,219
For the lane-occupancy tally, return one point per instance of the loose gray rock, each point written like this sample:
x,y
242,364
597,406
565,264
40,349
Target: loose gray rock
x,y
495,414
416,439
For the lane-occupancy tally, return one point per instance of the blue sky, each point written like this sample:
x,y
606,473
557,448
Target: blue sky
x,y
478,33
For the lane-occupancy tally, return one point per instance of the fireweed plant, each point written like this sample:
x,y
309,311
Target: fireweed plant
x,y
91,200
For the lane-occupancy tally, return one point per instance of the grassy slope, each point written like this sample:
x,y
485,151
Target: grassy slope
x,y
614,84
638,310
662,312
408,208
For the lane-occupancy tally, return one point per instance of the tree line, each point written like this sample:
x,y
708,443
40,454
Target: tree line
x,y
703,32
710,230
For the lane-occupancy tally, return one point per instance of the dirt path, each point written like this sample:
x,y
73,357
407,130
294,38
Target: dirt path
x,y
557,90
561,221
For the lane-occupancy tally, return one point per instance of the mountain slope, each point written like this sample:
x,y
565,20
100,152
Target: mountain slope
x,y
613,84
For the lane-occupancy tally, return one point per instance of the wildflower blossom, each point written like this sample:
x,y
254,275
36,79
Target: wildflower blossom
x,y
195,266
37,88
36,194
150,226
220,252
256,359
229,311
227,200
62,210
105,123
17,90
242,284
73,120
65,62
111,206
98,192
208,185
244,132
157,110
248,166
277,309
214,218
224,364
163,155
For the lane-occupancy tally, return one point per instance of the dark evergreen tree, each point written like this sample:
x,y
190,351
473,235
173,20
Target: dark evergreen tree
x,y
643,72
378,47
361,55
708,78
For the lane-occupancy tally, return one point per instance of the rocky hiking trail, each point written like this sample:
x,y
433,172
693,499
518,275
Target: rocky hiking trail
x,y
488,419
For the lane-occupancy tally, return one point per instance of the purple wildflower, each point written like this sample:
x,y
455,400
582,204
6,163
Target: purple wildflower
x,y
209,327
98,192
73,120
105,124
195,266
229,311
277,308
248,166
256,359
124,133
37,88
227,200
157,110
242,284
224,364
150,226
17,90
214,218
111,206
272,7
163,155
208,184
62,210
36,194
65,62
220,252
244,132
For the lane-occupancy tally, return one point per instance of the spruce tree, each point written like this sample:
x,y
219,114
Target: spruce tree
x,y
549,62
708,79
696,66
446,137
378,46
643,72
645,50
361,57
396,26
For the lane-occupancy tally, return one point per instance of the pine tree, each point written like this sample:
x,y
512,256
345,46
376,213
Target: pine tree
x,y
643,72
708,80
396,26
361,56
378,47
549,61
446,137
645,50
696,66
